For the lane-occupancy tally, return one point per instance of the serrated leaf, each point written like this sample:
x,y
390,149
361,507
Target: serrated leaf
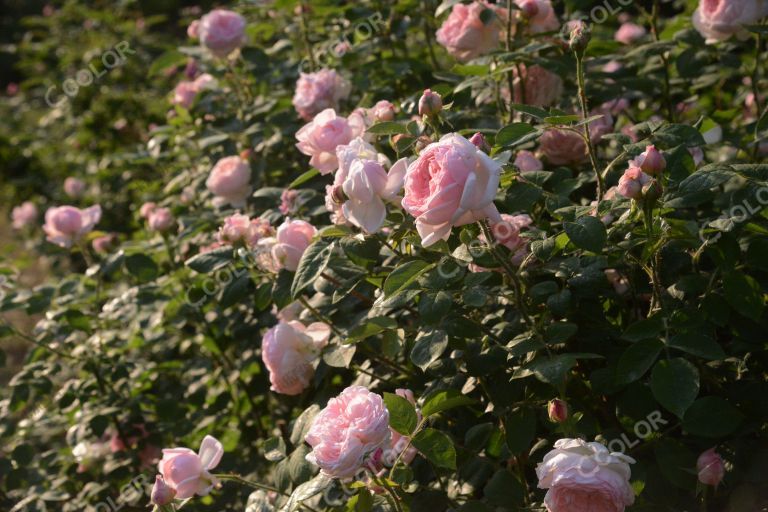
x,y
443,400
402,414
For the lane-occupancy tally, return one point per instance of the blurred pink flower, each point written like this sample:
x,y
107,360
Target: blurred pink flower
x,y
187,472
318,91
74,187
629,32
230,181
466,35
289,350
222,31
65,225
292,239
24,215
320,138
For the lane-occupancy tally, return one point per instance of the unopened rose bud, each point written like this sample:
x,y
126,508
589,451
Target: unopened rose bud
x,y
478,140
557,410
653,161
430,103
384,111
652,190
580,36
710,468
246,154
529,9
162,494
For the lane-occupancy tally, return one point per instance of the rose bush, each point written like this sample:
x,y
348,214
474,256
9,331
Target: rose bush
x,y
384,256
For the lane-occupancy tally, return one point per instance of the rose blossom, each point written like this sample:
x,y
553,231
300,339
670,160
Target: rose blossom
x,y
160,219
718,20
480,142
557,410
318,91
465,35
222,31
585,477
540,15
542,87
710,468
104,244
288,201
292,239
562,147
24,215
65,225
367,187
184,94
628,33
320,137
162,494
451,183
430,103
288,350
651,161
527,161
348,431
631,183
230,181
146,209
383,110
187,472
74,187
240,229
193,30
507,233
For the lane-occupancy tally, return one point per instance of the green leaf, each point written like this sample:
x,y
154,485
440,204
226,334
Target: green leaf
x,y
404,275
371,327
700,345
568,119
207,262
387,128
536,112
166,60
428,348
304,178
744,294
443,400
675,385
514,134
436,447
645,329
504,490
274,449
587,233
142,267
313,262
519,430
637,360
402,414
712,416
306,491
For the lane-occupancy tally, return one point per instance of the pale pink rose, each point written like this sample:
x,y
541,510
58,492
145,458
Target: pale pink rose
x,y
290,312
241,229
527,161
104,244
465,35
507,233
540,15
612,66
618,281
65,225
193,30
557,410
288,201
451,183
615,107
289,350
162,494
430,103
190,70
161,220
718,20
480,142
24,215
74,187
320,137
146,209
184,94
383,110
710,468
601,126
230,181
585,477
651,161
206,81
631,183
187,472
542,87
562,147
628,33
222,31
367,187
348,431
292,239
318,91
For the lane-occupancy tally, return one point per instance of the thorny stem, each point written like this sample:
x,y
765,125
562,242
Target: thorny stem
x,y
305,34
510,73
664,61
393,498
585,114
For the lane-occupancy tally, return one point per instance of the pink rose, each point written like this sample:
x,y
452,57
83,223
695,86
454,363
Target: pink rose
x,y
230,181
288,201
240,229
24,215
710,468
383,111
222,31
65,225
366,187
478,139
557,410
193,30
602,126
162,494
585,477
451,183
628,33
619,282
74,187
184,94
318,91
320,137
650,161
146,209
292,239
540,15
348,431
104,244
161,220
561,147
527,161
188,473
631,183
430,103
507,233
718,20
465,35
289,350
542,87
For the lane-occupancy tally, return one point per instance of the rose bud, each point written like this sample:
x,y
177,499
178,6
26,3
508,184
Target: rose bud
x,y
557,410
529,9
162,494
160,219
710,468
652,190
383,111
479,141
653,161
580,36
430,103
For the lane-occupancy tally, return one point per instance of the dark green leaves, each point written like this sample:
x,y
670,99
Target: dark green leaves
x,y
387,128
744,295
440,401
402,414
712,416
313,263
587,233
636,360
437,447
515,134
404,275
428,348
142,267
209,261
675,384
